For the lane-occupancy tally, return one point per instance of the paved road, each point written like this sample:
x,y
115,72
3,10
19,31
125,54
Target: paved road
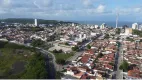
x,y
119,73
77,54
57,66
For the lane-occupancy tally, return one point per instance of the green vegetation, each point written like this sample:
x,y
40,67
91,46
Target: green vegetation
x,y
17,61
88,46
130,39
58,75
118,30
75,48
62,57
106,36
35,29
28,20
67,44
100,55
137,32
59,51
124,66
37,43
36,68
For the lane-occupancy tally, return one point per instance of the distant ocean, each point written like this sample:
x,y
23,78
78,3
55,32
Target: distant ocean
x,y
109,24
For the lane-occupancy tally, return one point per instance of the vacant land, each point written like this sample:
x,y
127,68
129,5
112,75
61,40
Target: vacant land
x,y
62,57
17,61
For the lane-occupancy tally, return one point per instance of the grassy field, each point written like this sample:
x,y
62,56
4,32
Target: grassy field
x,y
62,57
9,56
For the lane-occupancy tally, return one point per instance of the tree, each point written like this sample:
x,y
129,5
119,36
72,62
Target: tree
x,y
124,66
36,68
100,55
130,39
66,43
137,32
60,51
75,48
117,38
118,31
88,46
55,51
37,42
106,36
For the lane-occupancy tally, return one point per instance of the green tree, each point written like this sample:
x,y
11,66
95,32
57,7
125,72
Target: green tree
x,y
100,55
36,68
137,32
37,42
118,30
88,46
75,48
124,66
66,44
130,39
106,36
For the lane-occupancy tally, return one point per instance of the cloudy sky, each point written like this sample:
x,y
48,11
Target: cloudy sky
x,y
80,10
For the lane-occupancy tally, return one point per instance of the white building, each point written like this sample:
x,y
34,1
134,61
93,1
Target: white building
x,y
96,26
140,27
103,26
85,36
128,32
35,22
93,34
135,26
73,24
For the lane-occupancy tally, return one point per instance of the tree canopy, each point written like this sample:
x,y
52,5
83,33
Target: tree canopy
x,y
75,48
124,66
37,42
36,68
88,46
118,31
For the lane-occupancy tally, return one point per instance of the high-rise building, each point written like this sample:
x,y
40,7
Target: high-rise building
x,y
128,31
103,26
35,22
135,26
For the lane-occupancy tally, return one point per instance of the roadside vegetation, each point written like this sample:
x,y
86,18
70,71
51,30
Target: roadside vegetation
x,y
61,57
124,66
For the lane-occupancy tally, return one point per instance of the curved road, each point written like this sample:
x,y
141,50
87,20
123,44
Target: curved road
x,y
57,66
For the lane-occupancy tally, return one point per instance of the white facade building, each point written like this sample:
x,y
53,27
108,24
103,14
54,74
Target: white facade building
x,y
103,26
135,26
96,26
35,22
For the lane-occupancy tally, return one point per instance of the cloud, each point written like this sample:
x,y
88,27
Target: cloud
x,y
138,9
87,3
100,8
128,11
5,3
43,4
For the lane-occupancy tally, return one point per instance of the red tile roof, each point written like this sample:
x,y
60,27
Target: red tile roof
x,y
85,58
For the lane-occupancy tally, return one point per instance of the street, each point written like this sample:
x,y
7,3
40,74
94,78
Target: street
x,y
118,61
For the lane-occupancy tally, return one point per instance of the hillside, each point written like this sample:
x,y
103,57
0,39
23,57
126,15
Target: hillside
x,y
28,20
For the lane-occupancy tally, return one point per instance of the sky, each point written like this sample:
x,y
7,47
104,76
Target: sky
x,y
77,10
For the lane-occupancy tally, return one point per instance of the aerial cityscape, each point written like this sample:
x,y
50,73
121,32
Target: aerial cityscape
x,y
53,39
